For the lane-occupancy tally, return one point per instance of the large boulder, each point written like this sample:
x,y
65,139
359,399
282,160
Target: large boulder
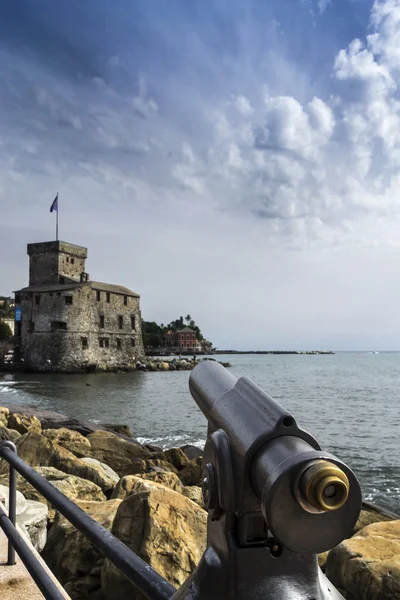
x,y
73,559
24,424
373,514
40,451
131,484
116,452
194,493
109,477
138,467
8,434
73,441
192,452
167,479
166,529
116,428
177,457
75,488
4,412
367,566
192,473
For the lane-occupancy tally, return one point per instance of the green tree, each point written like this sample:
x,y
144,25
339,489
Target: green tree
x,y
188,318
5,331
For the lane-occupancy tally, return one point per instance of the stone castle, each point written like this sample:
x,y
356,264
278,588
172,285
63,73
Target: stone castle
x,y
67,323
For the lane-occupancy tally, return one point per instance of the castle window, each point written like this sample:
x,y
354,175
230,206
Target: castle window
x,y
101,321
104,342
68,299
51,294
120,321
58,326
98,295
72,261
31,326
37,299
133,343
58,293
67,258
101,342
108,296
133,322
84,341
126,300
118,343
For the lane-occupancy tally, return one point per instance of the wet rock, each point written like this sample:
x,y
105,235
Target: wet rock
x,y
367,566
148,522
73,441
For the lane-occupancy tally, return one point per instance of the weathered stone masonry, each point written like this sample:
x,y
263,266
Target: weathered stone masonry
x,y
70,323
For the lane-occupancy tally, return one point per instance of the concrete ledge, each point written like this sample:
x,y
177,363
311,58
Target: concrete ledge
x,y
15,582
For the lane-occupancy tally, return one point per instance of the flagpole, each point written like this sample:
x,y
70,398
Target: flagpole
x,y
57,219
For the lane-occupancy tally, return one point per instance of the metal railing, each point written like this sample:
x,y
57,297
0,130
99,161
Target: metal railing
x,y
146,579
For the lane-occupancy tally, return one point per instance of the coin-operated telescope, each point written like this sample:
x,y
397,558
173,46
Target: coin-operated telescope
x,y
274,498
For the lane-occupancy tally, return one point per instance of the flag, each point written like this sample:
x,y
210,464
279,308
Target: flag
x,y
54,205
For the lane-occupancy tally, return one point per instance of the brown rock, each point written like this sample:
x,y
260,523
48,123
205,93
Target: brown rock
x,y
9,434
70,555
367,566
192,473
177,457
192,452
372,514
148,522
39,451
71,486
24,424
4,412
194,493
137,467
115,428
116,452
131,484
73,441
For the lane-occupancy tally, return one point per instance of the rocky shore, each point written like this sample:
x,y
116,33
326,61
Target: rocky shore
x,y
151,500
9,364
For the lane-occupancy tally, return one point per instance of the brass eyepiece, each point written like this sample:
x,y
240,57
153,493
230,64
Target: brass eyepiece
x,y
322,487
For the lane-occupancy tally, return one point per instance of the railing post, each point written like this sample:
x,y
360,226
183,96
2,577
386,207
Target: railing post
x,y
12,499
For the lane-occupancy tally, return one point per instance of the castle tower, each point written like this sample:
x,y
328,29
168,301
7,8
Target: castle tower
x,y
52,263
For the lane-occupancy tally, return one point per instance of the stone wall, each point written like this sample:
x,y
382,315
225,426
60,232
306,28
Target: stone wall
x,y
50,260
63,331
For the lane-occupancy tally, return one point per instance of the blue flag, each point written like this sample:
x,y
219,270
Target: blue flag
x,y
54,205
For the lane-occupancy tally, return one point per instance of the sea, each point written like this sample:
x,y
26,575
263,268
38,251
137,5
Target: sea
x,y
348,401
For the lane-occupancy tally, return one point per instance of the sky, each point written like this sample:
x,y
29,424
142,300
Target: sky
x,y
238,161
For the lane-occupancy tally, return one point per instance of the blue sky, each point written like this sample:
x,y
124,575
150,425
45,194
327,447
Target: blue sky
x,y
235,160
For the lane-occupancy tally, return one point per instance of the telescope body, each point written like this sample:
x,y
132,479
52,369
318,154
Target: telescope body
x,y
274,498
